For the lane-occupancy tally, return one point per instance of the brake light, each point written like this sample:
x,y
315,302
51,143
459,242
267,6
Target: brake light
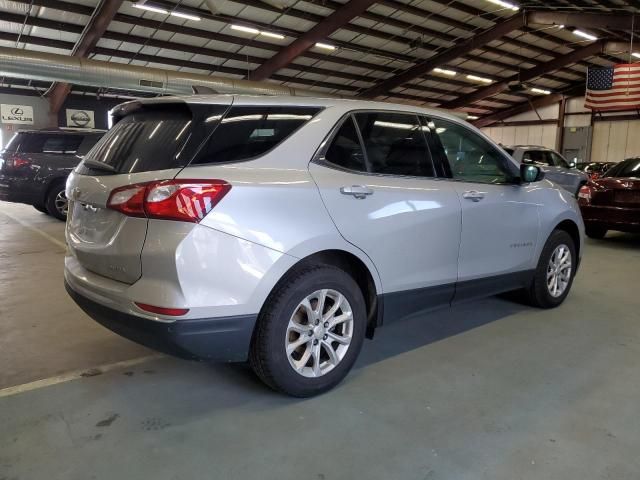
x,y
173,312
181,200
16,161
585,193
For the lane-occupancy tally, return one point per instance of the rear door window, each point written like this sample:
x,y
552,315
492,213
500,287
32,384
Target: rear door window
x,y
249,132
345,150
395,144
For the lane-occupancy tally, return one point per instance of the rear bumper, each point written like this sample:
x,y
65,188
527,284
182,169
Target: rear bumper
x,y
611,218
222,339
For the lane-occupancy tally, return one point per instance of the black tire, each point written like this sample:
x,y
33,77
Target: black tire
x,y
596,233
538,293
52,200
268,357
41,208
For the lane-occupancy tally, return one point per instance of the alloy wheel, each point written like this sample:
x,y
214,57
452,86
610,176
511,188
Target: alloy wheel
x,y
61,203
559,270
319,333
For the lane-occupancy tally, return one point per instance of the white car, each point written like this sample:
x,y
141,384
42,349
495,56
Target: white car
x,y
284,230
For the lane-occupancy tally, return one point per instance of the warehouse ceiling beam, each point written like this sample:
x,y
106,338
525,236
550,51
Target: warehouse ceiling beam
x,y
527,75
554,98
304,42
92,33
609,21
383,88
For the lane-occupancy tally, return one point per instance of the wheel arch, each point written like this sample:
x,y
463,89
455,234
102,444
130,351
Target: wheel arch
x,y
356,268
572,229
51,185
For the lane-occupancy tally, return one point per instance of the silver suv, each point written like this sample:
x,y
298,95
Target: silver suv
x,y
285,230
555,167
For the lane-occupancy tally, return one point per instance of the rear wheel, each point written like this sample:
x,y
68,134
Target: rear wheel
x,y
57,204
595,232
310,332
555,271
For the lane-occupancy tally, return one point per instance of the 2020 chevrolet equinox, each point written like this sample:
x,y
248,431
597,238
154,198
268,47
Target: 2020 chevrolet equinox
x,y
283,230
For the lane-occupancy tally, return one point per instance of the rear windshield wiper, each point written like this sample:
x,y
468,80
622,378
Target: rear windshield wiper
x,y
99,165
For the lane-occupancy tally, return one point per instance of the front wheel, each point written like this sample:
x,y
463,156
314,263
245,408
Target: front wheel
x,y
57,204
309,332
555,271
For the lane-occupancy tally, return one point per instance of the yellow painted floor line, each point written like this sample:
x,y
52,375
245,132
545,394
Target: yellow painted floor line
x,y
43,234
75,375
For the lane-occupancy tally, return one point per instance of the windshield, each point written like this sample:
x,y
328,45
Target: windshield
x,y
627,168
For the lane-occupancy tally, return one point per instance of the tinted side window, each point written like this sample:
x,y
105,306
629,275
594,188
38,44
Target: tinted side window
x,y
539,157
345,150
470,156
248,132
558,160
395,144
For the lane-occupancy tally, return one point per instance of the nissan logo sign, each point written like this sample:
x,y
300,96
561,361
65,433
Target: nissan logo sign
x,y
81,118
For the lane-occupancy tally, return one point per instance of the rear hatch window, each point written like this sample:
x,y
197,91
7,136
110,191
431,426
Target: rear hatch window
x,y
145,140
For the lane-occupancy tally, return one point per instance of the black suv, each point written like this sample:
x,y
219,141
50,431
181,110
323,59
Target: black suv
x,y
35,164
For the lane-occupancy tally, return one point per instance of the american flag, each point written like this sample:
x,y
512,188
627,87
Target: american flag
x,y
613,88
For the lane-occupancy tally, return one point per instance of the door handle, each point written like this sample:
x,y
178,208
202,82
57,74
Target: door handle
x,y
358,191
473,195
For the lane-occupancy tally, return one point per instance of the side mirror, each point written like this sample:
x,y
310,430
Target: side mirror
x,y
530,173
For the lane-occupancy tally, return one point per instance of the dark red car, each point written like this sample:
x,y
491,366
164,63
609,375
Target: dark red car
x,y
612,202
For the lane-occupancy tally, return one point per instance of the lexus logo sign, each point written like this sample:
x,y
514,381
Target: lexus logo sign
x,y
80,118
16,114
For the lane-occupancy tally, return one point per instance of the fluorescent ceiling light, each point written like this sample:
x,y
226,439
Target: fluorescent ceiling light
x,y
472,117
242,28
326,46
150,8
586,35
540,90
444,71
272,35
636,54
479,79
560,26
188,16
508,5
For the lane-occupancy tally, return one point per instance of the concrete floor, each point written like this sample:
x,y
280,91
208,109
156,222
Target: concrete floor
x,y
489,390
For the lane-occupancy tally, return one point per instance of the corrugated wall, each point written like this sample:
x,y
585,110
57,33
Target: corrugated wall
x,y
615,141
544,135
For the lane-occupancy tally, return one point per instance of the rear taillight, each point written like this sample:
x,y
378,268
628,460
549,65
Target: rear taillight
x,y
16,161
181,200
585,193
